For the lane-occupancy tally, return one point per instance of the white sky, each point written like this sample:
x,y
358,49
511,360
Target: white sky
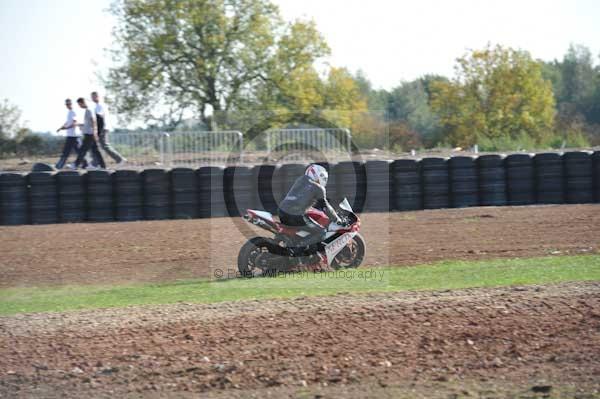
x,y
52,49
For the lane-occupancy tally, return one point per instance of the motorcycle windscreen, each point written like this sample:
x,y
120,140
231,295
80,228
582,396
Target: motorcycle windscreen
x,y
345,205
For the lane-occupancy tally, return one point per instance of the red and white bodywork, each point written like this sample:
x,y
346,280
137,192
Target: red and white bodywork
x,y
337,238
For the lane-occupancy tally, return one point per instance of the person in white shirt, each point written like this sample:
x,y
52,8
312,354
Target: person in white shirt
x,y
72,141
90,136
103,128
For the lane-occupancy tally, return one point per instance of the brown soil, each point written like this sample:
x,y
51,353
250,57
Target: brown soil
x,y
169,250
501,342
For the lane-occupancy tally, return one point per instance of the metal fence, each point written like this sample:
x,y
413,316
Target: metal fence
x,y
307,144
205,148
144,149
201,148
179,148
193,149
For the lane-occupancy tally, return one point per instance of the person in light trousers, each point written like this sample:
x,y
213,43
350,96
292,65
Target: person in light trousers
x,y
102,121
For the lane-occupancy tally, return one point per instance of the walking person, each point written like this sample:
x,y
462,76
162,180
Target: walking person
x,y
90,136
101,111
72,140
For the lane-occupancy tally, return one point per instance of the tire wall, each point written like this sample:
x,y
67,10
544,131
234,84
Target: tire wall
x,y
492,180
520,179
435,179
596,175
378,193
407,191
464,186
373,186
99,193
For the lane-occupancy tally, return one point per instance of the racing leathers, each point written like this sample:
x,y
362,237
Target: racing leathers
x,y
303,195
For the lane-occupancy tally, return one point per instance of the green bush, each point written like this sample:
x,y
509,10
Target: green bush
x,y
526,142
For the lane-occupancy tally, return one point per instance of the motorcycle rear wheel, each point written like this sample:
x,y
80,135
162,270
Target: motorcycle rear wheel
x,y
249,256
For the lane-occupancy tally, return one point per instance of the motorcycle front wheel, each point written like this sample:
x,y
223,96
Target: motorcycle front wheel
x,y
352,255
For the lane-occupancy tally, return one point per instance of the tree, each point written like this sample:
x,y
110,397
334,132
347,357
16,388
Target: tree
x,y
377,100
11,125
14,135
497,92
409,103
576,83
343,101
578,75
178,58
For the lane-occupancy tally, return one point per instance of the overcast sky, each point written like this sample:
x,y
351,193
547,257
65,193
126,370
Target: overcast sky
x,y
52,49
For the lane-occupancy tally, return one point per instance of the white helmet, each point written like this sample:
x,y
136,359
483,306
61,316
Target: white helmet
x,y
317,174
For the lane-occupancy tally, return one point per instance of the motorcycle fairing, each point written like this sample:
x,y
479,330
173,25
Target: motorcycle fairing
x,y
265,215
334,247
345,205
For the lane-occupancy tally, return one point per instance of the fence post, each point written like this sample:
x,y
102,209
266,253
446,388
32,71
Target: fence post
x,y
268,142
166,150
348,140
241,146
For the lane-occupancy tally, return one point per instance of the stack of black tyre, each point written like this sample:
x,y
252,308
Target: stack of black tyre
x,y
128,195
464,190
596,172
549,178
436,187
43,198
291,172
278,184
157,205
331,183
378,186
578,177
351,182
71,197
13,199
238,190
407,193
211,201
184,193
99,196
520,179
265,196
492,180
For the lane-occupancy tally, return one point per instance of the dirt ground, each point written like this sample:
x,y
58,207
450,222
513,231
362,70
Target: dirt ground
x,y
106,253
505,342
538,341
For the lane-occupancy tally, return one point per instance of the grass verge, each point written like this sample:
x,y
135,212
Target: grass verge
x,y
436,276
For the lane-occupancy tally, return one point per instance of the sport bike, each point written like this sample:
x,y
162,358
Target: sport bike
x,y
343,246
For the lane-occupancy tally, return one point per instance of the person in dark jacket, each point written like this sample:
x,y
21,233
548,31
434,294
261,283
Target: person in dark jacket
x,y
307,191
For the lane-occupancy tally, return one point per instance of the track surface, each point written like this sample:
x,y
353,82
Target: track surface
x,y
519,338
170,250
501,342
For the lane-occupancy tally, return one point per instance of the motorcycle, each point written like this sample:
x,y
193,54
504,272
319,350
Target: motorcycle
x,y
343,246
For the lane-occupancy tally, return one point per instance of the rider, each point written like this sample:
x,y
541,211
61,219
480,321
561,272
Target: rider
x,y
304,194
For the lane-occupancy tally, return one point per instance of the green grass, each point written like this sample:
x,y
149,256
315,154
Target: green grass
x,y
437,276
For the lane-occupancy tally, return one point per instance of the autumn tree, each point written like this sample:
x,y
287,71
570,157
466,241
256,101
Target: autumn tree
x,y
576,83
15,136
11,124
409,104
182,58
497,92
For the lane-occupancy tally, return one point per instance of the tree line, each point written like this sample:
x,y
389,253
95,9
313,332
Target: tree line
x,y
236,64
